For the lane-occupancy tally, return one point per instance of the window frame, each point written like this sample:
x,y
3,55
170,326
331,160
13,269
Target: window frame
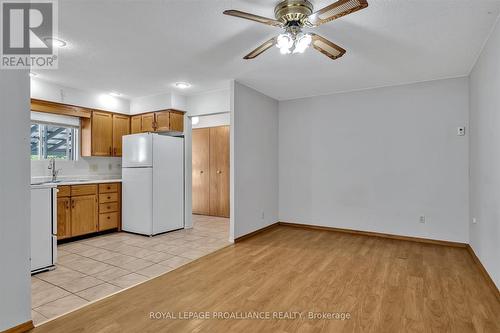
x,y
72,154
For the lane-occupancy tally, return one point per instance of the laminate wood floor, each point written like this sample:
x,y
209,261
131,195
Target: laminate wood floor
x,y
384,285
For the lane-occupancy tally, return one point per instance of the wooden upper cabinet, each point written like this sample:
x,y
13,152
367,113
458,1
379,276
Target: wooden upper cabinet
x,y
176,121
135,124
83,215
148,122
162,121
102,134
121,127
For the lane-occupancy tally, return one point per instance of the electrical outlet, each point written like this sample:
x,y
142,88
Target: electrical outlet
x,y
94,167
461,131
263,215
474,220
110,166
422,219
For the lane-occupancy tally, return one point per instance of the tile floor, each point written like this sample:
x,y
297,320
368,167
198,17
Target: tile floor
x,y
94,268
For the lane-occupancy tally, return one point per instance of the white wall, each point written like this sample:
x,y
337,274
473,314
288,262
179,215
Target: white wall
x,y
485,156
158,102
213,120
84,167
15,282
91,99
254,166
217,101
377,160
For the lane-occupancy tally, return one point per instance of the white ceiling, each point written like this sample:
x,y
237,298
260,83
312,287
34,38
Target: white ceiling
x,y
141,48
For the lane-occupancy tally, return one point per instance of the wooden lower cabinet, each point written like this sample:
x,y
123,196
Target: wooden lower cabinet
x,y
83,215
86,209
63,218
109,206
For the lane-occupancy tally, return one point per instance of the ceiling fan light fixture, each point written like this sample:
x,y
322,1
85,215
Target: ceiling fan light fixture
x,y
303,41
284,42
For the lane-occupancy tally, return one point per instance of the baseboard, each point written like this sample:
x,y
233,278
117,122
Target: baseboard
x,y
484,272
256,232
21,328
375,234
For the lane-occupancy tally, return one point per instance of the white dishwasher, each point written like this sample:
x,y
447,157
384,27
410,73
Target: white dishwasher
x,y
43,228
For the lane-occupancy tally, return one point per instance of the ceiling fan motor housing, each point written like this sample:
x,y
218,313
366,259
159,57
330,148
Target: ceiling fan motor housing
x,y
293,11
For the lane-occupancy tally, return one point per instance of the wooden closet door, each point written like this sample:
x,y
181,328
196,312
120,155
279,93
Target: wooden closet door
x,y
219,171
200,171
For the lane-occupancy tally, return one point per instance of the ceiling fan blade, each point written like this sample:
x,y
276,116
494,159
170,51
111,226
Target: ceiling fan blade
x,y
253,17
326,47
261,49
336,10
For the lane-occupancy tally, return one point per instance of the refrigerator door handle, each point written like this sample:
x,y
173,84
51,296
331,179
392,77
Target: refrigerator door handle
x,y
54,211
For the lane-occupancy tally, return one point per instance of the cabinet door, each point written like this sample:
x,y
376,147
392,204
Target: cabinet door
x,y
219,171
83,215
121,127
63,218
176,121
200,171
148,122
162,121
135,125
102,133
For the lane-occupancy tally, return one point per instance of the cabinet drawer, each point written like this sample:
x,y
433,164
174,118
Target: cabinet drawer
x,y
108,197
108,188
64,191
108,207
83,190
108,221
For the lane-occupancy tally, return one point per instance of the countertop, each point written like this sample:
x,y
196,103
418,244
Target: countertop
x,y
40,184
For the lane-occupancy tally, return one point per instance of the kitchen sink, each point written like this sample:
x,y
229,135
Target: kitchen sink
x,y
61,181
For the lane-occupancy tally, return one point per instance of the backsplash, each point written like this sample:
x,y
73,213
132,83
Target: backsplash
x,y
84,168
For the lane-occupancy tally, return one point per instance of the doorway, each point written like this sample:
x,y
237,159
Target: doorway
x,y
211,169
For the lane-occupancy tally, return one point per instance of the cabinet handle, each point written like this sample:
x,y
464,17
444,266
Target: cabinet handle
x,y
109,217
201,171
73,203
67,205
110,151
219,172
114,151
109,198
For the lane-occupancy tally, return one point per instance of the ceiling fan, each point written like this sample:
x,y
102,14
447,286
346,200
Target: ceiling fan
x,y
293,16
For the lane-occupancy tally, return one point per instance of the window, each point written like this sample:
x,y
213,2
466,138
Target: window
x,y
53,141
54,136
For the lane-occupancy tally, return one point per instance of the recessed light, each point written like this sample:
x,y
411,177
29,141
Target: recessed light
x,y
195,120
56,42
115,94
182,85
33,74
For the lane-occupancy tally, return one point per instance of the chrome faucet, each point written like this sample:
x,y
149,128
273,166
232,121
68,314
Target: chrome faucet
x,y
52,167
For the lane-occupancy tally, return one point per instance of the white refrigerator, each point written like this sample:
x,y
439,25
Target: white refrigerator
x,y
153,183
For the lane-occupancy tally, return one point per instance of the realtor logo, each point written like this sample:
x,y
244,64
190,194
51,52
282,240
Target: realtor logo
x,y
27,32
